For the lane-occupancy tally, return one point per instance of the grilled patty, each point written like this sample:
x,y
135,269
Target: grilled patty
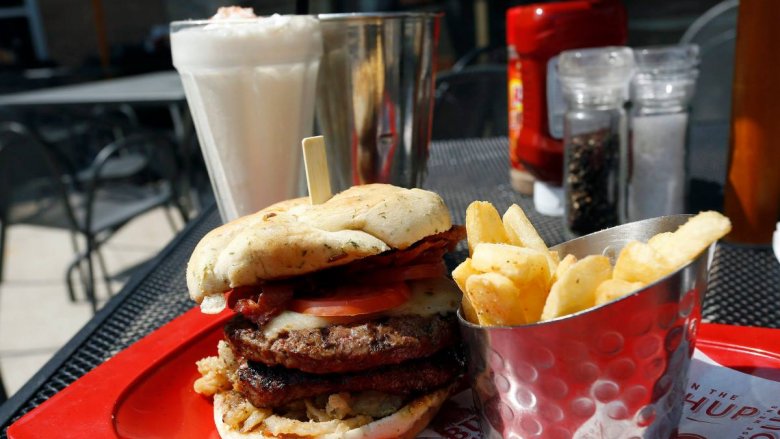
x,y
345,348
271,387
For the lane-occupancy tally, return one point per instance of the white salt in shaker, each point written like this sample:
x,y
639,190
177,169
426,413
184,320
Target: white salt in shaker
x,y
661,91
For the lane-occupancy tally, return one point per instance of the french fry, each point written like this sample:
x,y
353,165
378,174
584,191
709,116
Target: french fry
x,y
639,262
462,272
555,257
483,224
512,277
576,289
469,313
563,267
519,264
521,232
612,289
683,245
527,268
496,300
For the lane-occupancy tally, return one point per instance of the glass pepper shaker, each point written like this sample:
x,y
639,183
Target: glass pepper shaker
x,y
660,94
595,87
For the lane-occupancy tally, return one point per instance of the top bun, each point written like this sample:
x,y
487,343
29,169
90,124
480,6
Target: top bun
x,y
293,237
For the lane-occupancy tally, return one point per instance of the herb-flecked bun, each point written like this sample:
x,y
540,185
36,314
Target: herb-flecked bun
x,y
293,237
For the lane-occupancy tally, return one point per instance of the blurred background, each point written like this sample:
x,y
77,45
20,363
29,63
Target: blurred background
x,y
48,43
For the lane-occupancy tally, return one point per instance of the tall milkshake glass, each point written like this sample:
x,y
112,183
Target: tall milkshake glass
x,y
250,85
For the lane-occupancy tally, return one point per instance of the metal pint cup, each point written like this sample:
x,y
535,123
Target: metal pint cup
x,y
375,96
615,371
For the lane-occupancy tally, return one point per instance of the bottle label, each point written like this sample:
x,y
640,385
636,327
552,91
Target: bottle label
x,y
515,105
515,110
556,106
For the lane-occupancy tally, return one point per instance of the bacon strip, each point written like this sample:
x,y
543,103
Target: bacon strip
x,y
428,249
260,304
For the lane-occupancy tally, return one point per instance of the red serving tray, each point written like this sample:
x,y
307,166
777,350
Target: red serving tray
x,y
146,391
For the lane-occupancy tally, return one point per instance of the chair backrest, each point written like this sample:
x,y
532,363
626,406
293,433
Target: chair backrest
x,y
108,124
63,131
77,135
488,55
715,32
157,149
471,103
159,166
31,179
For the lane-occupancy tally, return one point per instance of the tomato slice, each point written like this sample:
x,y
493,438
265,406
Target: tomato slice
x,y
354,300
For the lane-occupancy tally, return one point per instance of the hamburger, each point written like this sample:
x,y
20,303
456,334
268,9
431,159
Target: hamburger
x,y
344,319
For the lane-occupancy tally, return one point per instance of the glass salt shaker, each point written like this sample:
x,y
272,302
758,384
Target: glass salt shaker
x,y
595,87
660,93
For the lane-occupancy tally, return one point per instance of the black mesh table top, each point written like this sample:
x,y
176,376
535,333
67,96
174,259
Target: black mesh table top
x,y
744,282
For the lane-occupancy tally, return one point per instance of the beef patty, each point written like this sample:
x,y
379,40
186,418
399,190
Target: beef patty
x,y
266,386
348,347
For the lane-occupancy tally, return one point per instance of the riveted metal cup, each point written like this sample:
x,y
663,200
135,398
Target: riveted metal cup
x,y
615,371
375,96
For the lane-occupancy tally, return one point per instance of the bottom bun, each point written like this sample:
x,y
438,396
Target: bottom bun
x,y
406,423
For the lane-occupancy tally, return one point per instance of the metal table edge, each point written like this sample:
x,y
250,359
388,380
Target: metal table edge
x,y
27,391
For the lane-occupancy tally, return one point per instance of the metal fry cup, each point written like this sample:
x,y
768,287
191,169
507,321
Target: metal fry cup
x,y
614,371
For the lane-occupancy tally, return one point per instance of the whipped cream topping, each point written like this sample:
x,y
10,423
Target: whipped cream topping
x,y
234,13
234,38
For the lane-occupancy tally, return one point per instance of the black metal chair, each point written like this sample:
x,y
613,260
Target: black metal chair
x,y
471,102
93,204
77,136
495,55
709,128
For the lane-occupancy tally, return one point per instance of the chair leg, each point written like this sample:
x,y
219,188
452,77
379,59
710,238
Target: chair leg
x,y
2,246
90,287
3,395
74,242
175,201
104,271
169,217
76,264
3,223
182,211
69,277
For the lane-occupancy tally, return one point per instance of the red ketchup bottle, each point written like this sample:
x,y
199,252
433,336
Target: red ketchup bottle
x,y
536,34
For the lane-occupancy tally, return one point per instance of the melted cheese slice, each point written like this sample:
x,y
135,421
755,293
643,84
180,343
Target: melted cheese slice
x,y
428,297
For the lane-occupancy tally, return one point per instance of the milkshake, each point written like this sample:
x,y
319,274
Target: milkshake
x,y
250,85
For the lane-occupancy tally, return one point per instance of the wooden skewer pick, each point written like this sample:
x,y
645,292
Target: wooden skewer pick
x,y
317,175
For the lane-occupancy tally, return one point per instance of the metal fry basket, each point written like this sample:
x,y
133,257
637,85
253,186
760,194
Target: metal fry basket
x,y
615,371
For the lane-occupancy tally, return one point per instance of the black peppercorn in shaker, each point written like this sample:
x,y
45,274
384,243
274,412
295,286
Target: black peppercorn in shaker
x,y
592,198
594,84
